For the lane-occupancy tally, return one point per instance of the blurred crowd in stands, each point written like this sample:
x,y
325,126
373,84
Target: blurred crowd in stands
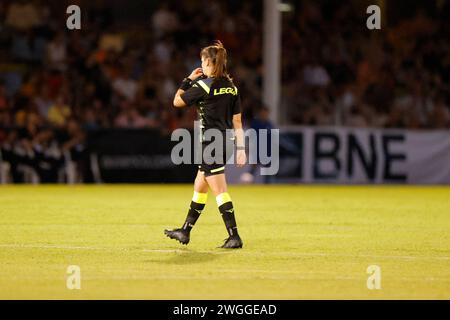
x,y
337,72
56,85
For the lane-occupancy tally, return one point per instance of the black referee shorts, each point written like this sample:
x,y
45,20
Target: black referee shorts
x,y
214,158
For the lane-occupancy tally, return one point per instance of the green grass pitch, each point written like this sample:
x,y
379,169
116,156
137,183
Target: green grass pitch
x,y
300,242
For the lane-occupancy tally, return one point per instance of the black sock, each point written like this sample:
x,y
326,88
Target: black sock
x,y
193,214
227,212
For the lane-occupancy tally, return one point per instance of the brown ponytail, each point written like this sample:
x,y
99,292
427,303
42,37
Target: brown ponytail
x,y
218,55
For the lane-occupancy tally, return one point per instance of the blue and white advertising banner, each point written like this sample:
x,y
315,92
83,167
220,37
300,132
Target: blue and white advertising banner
x,y
364,156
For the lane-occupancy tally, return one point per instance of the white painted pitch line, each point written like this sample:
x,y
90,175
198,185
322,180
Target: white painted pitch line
x,y
314,254
33,246
240,252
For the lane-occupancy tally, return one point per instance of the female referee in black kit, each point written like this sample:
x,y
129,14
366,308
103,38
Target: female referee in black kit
x,y
211,89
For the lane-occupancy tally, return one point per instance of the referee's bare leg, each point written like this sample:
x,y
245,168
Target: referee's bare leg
x,y
197,205
218,185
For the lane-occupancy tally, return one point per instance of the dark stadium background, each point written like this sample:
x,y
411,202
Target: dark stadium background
x,y
69,97
359,208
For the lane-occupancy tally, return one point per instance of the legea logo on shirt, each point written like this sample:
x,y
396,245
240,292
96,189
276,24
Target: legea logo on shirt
x,y
228,90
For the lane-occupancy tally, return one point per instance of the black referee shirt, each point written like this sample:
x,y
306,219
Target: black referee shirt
x,y
217,100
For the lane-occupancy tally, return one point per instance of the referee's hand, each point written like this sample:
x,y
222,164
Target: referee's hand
x,y
241,158
195,74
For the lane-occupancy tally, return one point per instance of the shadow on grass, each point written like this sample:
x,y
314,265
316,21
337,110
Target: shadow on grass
x,y
185,256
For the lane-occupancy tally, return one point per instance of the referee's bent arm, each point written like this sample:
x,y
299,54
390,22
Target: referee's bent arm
x,y
177,101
